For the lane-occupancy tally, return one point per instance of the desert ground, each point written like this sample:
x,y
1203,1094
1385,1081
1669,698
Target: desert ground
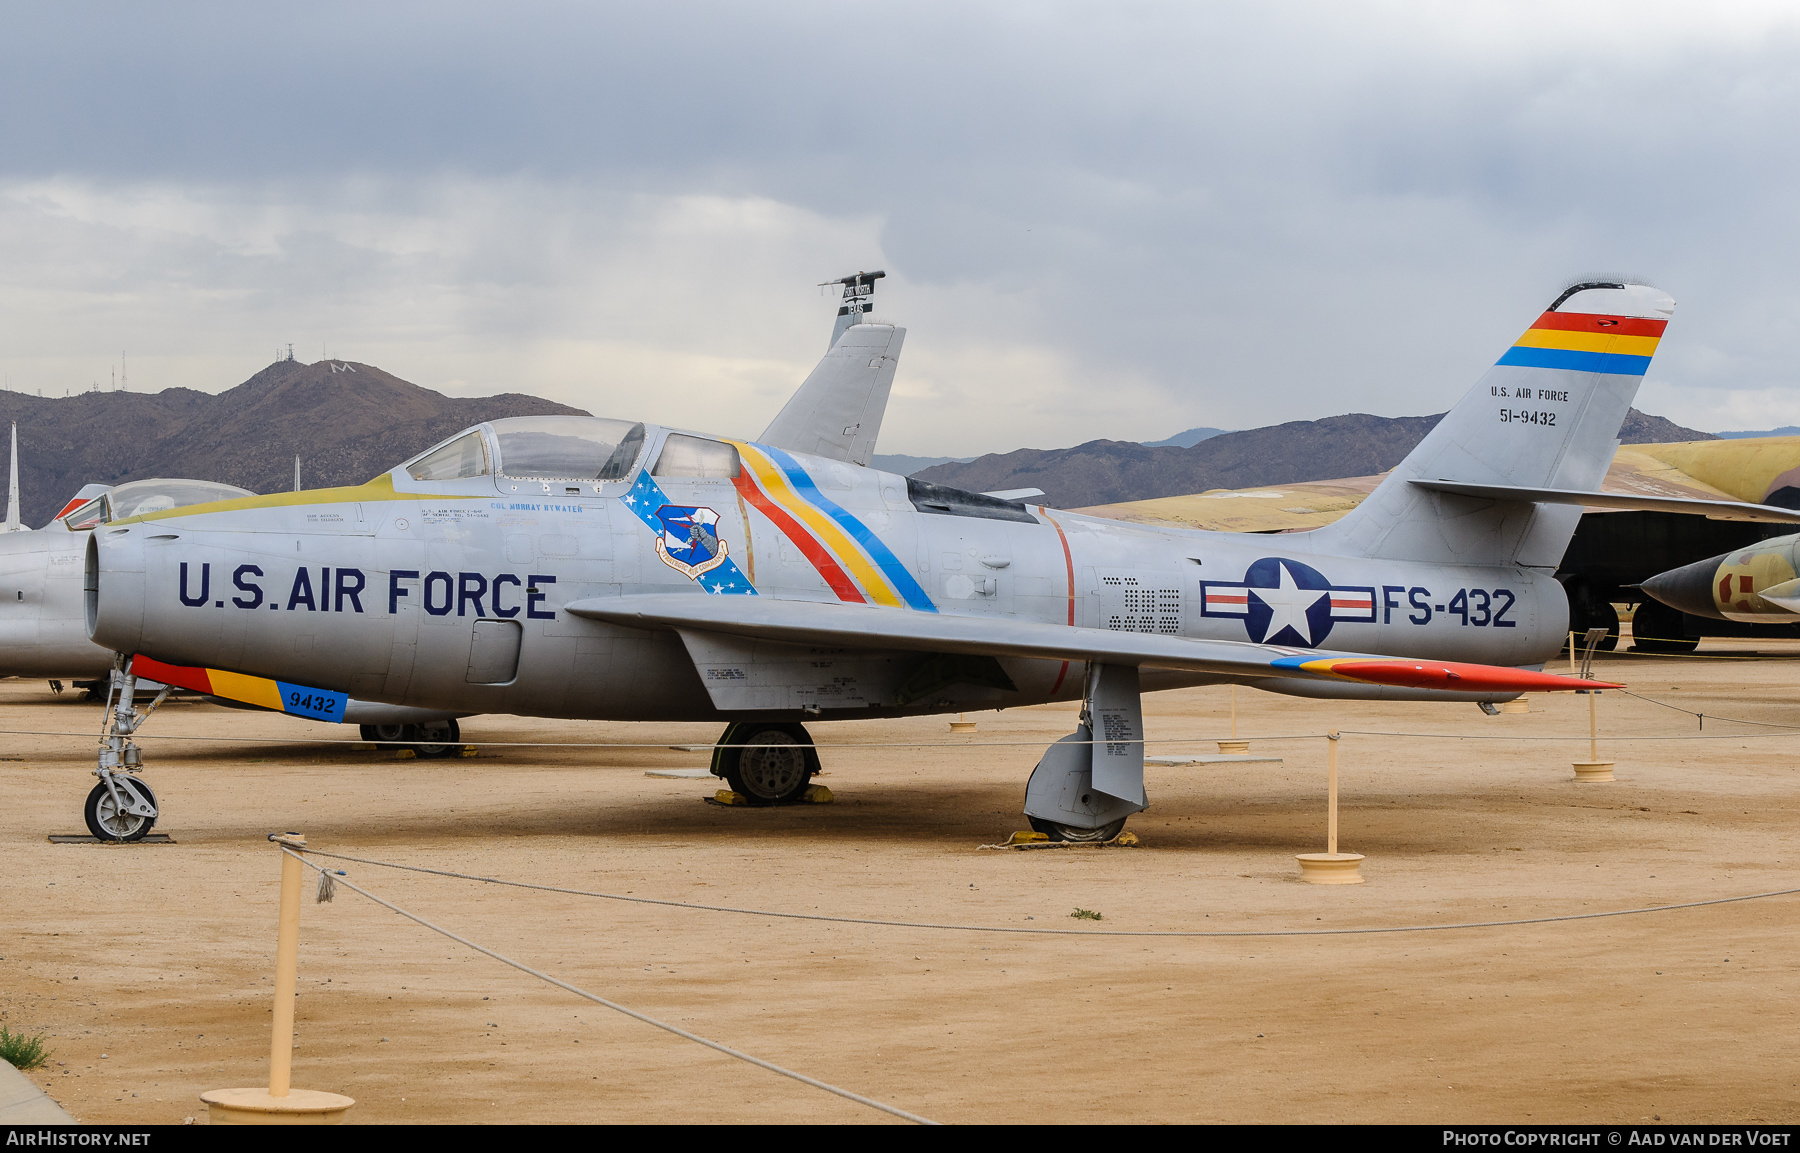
x,y
149,967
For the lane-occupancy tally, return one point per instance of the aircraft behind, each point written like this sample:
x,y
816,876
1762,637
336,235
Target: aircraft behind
x,y
42,631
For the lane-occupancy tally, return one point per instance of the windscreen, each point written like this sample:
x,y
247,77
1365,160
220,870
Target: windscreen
x,y
463,457
568,447
696,457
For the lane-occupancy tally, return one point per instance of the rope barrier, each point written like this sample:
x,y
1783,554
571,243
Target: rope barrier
x,y
1703,716
1693,656
1035,931
700,746
1605,737
614,1005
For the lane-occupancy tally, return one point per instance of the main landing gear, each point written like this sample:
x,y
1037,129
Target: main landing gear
x,y
766,762
1089,782
431,739
122,807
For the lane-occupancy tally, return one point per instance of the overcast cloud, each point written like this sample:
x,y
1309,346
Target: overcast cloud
x,y
1112,220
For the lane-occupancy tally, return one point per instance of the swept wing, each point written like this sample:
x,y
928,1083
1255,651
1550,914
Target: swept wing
x,y
868,627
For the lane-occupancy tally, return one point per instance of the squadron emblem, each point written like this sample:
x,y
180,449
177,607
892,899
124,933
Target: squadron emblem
x,y
689,541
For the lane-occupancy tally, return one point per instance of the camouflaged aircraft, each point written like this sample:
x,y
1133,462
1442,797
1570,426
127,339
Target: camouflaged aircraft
x,y
617,569
1759,585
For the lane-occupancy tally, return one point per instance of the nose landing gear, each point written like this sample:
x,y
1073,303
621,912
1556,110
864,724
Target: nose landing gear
x,y
122,807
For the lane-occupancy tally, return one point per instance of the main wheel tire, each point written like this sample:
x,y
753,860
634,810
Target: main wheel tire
x,y
107,823
386,737
1657,628
1585,614
435,738
1061,832
774,764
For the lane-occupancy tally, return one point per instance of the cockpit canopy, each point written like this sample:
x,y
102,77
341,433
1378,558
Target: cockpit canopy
x,y
587,448
138,497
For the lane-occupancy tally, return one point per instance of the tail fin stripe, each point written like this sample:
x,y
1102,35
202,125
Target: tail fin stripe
x,y
1615,363
1589,342
1593,322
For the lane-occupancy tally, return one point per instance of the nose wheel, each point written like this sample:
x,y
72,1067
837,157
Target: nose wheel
x,y
110,816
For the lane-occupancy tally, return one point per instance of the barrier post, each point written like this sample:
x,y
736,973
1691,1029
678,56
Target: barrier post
x,y
287,964
1331,748
1234,746
1331,867
280,1103
1592,769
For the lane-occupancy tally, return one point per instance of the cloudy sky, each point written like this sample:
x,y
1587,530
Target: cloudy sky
x,y
1117,220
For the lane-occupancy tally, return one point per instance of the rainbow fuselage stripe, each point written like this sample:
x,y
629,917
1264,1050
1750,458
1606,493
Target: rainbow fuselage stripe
x,y
856,564
1586,342
261,692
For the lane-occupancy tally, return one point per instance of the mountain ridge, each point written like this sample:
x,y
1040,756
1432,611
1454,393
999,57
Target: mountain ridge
x,y
1112,472
346,420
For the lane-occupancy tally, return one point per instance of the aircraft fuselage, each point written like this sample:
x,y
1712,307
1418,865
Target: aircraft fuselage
x,y
41,628
451,594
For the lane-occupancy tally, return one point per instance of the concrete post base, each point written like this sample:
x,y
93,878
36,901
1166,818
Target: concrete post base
x,y
1518,706
1330,868
1232,748
256,1107
1594,771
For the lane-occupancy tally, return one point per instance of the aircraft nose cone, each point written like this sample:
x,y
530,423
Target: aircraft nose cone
x,y
1688,588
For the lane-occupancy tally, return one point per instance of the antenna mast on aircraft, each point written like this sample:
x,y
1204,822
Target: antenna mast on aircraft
x,y
12,488
859,298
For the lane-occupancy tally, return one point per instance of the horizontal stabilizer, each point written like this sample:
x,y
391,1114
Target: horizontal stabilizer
x,y
1713,509
1015,493
871,627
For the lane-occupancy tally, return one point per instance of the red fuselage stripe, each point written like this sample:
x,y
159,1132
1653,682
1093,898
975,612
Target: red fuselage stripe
x,y
834,574
1069,567
181,676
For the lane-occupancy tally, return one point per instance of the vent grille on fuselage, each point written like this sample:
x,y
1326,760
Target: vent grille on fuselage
x,y
1127,605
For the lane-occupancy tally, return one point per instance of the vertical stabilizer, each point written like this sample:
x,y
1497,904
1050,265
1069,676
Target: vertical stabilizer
x,y
13,524
1547,415
838,409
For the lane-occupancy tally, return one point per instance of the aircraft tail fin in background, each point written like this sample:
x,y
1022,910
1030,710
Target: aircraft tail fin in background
x,y
13,524
1546,416
837,411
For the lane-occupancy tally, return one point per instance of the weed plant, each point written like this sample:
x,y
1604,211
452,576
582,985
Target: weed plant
x,y
22,1052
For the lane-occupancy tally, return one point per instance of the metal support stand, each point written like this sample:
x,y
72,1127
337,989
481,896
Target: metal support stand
x,y
280,1103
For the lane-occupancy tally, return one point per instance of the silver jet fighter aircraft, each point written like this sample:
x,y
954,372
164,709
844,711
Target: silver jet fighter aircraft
x,y
42,630
559,567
